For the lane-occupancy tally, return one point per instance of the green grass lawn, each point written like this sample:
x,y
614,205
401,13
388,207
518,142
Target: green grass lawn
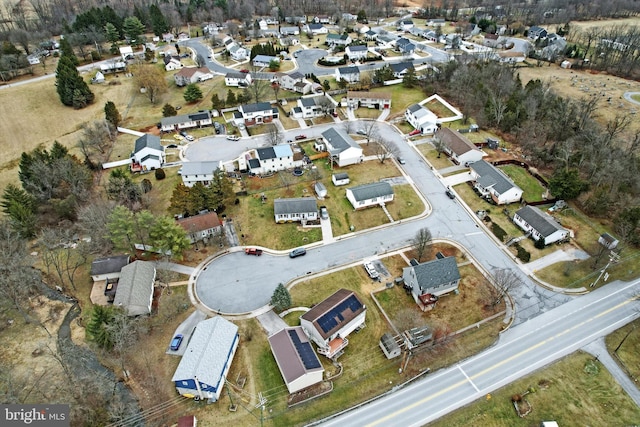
x,y
401,97
532,189
431,155
623,344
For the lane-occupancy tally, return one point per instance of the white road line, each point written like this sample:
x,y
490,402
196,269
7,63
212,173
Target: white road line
x,y
474,234
468,379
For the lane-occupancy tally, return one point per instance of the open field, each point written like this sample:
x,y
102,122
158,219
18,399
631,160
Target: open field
x,y
623,344
577,390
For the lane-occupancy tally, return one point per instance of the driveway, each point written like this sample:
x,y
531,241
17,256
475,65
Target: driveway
x,y
186,328
567,254
271,322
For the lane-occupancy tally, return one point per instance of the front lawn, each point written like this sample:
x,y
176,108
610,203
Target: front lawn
x,y
532,189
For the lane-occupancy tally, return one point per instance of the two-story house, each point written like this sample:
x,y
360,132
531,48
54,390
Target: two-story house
x,y
148,154
236,79
273,159
202,172
189,75
348,74
422,119
342,148
431,279
253,114
356,52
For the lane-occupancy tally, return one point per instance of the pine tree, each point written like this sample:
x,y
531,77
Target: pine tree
x,y
168,111
158,21
111,114
281,299
216,102
192,93
231,98
72,89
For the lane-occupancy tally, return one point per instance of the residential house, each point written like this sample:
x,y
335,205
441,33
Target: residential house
x,y
202,172
262,23
400,69
430,35
189,75
377,100
276,158
301,209
373,194
536,32
361,28
200,227
370,35
555,47
431,279
315,29
289,31
288,81
417,32
172,63
334,39
235,79
459,148
511,57
493,184
422,119
113,67
405,46
167,37
471,30
302,87
349,74
339,179
438,22
356,52
135,288
298,363
322,19
605,239
238,52
264,60
313,106
126,52
330,321
198,119
108,268
341,147
540,225
253,114
386,40
148,154
167,50
405,25
183,37
491,40
202,371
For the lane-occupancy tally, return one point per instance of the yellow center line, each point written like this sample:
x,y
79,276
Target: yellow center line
x,y
493,367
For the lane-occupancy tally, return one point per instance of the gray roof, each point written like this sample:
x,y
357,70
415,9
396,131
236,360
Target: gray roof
x,y
370,191
198,168
492,177
236,75
252,108
316,26
339,140
342,175
290,358
254,163
112,264
399,67
415,107
296,75
357,48
308,102
266,153
432,274
147,140
264,58
207,353
135,288
295,205
348,70
542,222
183,118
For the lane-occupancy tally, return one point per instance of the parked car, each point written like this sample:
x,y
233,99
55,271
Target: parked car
x,y
297,252
244,70
361,132
324,214
176,341
178,137
450,194
189,137
401,160
253,251
183,133
233,138
299,137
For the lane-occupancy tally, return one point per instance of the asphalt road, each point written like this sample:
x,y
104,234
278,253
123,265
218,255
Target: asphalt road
x,y
520,351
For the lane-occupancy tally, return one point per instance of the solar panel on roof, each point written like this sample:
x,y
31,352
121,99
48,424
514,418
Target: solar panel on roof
x,y
305,351
328,321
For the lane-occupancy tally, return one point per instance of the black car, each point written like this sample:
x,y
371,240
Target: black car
x,y
450,194
297,252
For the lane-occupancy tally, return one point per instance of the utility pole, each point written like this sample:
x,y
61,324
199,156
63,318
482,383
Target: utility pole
x,y
262,401
613,258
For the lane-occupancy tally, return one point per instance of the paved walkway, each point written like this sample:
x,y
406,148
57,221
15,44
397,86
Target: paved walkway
x,y
178,268
568,254
599,350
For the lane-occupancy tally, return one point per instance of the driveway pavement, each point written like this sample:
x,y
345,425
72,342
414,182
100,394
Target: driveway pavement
x,y
567,254
271,322
186,328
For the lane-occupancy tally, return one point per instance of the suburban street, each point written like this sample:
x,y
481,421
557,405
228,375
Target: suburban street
x,y
520,351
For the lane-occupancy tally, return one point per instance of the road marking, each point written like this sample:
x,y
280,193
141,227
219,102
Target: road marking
x,y
487,370
474,234
467,377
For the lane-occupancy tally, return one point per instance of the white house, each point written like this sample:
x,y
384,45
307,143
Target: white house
x,y
264,60
189,75
288,81
148,154
373,194
235,79
349,74
198,119
422,119
276,158
202,172
330,321
298,363
201,226
237,52
541,225
459,148
386,40
493,184
315,29
135,288
109,267
113,67
172,63
405,46
99,78
439,22
338,39
341,147
312,106
357,52
432,278
301,209
339,179
126,52
400,69
378,100
405,25
253,114
289,31
203,369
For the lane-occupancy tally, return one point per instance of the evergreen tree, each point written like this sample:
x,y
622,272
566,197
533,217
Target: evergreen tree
x,y
410,79
168,111
67,51
133,29
216,102
98,326
281,299
167,236
192,93
158,21
111,113
231,98
72,89
111,32
20,207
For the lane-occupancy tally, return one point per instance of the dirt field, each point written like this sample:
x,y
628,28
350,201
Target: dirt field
x,y
576,84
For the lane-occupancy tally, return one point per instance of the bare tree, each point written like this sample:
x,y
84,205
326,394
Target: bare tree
x,y
385,149
422,243
96,139
370,128
347,126
439,145
200,61
274,135
504,280
151,79
60,252
259,87
92,222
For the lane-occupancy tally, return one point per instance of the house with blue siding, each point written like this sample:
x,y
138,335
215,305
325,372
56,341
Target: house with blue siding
x,y
207,359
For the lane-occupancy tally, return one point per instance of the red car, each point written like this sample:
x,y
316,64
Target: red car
x,y
299,137
244,70
414,132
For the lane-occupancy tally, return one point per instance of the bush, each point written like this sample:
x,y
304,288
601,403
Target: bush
x,y
523,254
539,244
498,231
160,174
